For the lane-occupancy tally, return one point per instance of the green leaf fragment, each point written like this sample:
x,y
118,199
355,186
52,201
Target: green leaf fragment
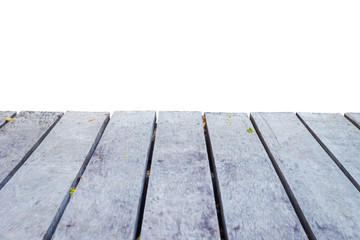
x,y
228,116
72,190
249,130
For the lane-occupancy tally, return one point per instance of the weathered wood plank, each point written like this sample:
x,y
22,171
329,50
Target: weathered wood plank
x,y
340,139
30,201
180,203
19,138
254,201
5,114
354,118
106,201
328,200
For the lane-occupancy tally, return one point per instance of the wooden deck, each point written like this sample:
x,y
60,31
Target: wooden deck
x,y
181,175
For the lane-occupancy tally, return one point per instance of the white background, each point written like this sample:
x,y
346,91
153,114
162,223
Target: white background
x,y
236,56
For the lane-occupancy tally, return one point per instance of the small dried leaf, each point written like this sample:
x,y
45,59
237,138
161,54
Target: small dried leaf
x,y
9,119
148,173
249,130
91,119
126,156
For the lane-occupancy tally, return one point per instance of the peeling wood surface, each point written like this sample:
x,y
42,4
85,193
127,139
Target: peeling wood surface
x,y
106,201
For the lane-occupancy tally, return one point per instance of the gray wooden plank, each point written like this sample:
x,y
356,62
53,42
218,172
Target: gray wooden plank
x,y
340,138
354,118
3,115
106,201
30,201
180,203
254,201
19,138
328,200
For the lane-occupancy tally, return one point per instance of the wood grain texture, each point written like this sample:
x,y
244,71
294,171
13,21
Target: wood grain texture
x,y
3,115
20,137
354,118
106,201
254,201
32,197
329,201
180,203
340,138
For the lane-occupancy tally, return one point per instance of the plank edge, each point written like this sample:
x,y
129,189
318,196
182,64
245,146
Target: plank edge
x,y
66,199
290,194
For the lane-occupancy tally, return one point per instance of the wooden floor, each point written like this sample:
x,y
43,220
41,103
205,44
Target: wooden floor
x,y
181,175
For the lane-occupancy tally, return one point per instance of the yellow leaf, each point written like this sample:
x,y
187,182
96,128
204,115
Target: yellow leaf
x,y
229,116
72,190
138,238
249,130
9,119
126,157
91,119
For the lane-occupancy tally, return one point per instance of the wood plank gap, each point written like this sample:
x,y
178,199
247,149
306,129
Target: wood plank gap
x,y
332,156
180,198
3,124
287,188
28,154
49,233
215,182
352,121
147,173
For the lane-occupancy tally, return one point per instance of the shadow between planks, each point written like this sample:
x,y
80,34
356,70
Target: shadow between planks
x,y
147,175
